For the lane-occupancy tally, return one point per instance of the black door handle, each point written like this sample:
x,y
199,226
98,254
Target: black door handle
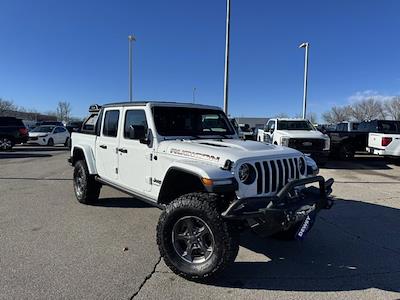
x,y
103,146
122,150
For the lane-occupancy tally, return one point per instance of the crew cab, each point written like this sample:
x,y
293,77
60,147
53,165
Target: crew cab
x,y
298,134
347,138
385,139
187,159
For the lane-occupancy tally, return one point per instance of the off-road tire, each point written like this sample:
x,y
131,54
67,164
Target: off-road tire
x,y
87,189
226,238
50,142
345,152
66,142
288,235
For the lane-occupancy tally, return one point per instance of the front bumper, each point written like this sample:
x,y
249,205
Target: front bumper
x,y
318,156
268,215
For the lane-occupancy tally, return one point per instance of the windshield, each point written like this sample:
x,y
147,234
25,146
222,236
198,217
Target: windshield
x,y
184,121
43,129
295,125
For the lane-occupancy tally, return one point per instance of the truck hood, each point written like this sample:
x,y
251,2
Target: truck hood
x,y
311,134
217,151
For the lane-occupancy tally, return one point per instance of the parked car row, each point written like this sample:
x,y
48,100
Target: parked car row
x,y
13,131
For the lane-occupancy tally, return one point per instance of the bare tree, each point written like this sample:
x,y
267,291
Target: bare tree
x,y
281,116
312,117
6,106
368,109
64,111
337,114
392,108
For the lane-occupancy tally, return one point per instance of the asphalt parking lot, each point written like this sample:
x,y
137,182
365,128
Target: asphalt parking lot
x,y
53,247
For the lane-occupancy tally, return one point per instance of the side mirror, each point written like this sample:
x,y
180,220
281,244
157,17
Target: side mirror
x,y
271,131
137,132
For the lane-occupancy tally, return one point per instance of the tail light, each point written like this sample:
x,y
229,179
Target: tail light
x,y
23,131
386,141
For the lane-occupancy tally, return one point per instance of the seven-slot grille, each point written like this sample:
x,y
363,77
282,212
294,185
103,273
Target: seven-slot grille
x,y
273,175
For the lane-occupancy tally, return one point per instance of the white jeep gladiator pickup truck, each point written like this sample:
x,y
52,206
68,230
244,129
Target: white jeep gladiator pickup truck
x,y
298,134
187,159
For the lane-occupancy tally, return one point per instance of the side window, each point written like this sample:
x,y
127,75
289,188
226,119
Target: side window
x,y
272,125
56,130
134,118
61,129
342,127
110,125
90,123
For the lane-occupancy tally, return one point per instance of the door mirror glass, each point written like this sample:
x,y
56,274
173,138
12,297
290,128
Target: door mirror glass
x,y
137,132
271,130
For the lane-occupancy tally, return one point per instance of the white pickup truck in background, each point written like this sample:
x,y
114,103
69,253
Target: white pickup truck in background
x,y
386,141
298,134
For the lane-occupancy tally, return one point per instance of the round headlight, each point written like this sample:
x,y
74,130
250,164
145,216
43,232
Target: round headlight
x,y
244,172
247,174
302,165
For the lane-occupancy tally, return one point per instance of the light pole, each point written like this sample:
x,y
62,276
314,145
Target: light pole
x,y
307,46
226,76
194,95
131,39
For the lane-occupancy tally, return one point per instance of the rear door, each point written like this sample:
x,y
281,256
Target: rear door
x,y
107,145
135,157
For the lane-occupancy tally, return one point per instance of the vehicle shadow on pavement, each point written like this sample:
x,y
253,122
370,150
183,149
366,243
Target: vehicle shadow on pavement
x,y
359,163
355,246
25,148
124,202
7,155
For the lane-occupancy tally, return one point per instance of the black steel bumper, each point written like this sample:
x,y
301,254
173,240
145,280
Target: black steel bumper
x,y
268,215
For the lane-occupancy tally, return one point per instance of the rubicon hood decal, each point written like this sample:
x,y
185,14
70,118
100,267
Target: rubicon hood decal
x,y
192,154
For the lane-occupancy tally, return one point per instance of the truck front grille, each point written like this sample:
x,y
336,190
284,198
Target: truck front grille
x,y
272,175
305,145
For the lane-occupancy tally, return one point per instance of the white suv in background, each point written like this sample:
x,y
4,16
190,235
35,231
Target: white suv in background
x,y
49,135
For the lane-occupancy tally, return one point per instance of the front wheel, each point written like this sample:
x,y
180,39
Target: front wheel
x,y
87,189
6,143
50,142
193,239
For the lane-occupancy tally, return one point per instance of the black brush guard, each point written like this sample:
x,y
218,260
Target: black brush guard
x,y
268,215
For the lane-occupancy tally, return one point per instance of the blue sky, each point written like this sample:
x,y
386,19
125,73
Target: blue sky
x,y
77,51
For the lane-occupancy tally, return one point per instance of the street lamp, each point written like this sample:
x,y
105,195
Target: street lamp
x,y
131,39
194,95
226,76
305,45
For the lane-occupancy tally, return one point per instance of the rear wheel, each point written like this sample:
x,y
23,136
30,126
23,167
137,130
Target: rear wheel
x,y
66,142
346,152
6,143
87,189
193,239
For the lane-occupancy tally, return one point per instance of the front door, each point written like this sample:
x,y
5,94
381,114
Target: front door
x,y
107,145
270,132
135,157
